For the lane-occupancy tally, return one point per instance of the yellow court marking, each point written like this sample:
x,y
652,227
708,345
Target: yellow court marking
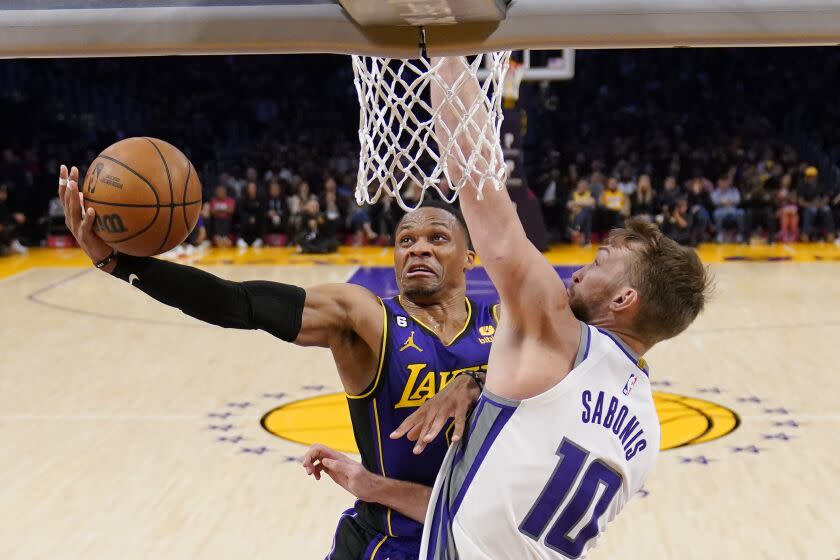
x,y
384,256
326,420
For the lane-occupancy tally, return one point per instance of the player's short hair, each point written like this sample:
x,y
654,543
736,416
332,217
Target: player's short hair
x,y
672,282
447,207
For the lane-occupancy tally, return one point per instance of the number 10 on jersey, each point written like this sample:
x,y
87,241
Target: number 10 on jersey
x,y
562,482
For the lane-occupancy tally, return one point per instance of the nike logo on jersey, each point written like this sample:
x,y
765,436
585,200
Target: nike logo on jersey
x,y
132,278
614,418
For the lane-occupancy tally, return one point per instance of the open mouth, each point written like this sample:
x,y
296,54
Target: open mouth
x,y
419,271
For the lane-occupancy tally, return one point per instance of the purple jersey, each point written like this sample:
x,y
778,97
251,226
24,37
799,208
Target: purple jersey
x,y
414,366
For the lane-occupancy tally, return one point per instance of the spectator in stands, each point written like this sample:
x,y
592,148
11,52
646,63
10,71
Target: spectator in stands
x,y
835,209
312,238
298,199
581,208
235,183
341,201
787,210
759,210
297,203
668,196
222,208
626,183
10,223
816,211
251,218
53,222
251,175
699,209
359,223
197,239
275,209
677,223
726,198
555,191
386,214
774,180
596,184
611,205
643,201
334,215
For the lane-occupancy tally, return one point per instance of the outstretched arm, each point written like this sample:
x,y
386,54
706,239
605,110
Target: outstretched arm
x,y
532,293
408,498
343,317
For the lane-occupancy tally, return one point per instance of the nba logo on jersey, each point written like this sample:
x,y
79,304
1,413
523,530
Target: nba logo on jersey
x,y
629,385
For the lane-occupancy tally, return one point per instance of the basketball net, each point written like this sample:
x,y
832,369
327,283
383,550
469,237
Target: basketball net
x,y
401,155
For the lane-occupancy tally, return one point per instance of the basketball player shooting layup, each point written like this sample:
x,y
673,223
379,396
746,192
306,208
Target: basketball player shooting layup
x,y
565,431
391,355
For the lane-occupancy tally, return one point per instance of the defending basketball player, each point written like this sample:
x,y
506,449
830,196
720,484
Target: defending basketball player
x,y
573,412
391,355
565,432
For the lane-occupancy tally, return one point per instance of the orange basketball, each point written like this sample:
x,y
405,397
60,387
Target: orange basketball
x,y
146,195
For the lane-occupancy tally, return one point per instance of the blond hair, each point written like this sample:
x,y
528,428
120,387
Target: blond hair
x,y
673,284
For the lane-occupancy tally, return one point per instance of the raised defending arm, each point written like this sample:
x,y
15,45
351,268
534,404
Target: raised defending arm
x,y
532,293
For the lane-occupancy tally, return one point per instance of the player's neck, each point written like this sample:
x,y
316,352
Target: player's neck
x,y
626,335
445,315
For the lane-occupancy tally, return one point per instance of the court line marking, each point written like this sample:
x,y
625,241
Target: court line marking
x,y
17,274
35,298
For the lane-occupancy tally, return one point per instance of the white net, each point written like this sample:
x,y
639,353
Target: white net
x,y
401,155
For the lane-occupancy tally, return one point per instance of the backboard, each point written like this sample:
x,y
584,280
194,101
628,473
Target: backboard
x,y
55,28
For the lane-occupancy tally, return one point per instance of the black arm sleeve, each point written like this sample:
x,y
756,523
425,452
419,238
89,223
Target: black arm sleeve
x,y
270,306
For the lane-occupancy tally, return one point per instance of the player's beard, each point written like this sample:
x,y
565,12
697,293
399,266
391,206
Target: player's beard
x,y
586,309
580,309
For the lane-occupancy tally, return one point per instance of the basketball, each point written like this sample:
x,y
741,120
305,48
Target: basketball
x,y
146,195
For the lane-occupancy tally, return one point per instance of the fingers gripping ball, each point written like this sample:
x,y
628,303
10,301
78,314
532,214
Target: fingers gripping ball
x,y
146,194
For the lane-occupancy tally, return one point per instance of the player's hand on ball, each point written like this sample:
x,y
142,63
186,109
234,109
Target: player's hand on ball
x,y
78,219
344,471
454,401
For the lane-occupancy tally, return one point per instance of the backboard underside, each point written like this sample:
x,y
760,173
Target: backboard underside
x,y
55,28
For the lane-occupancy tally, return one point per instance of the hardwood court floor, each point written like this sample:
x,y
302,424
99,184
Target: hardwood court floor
x,y
132,431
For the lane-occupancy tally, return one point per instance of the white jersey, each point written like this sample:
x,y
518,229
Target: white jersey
x,y
542,477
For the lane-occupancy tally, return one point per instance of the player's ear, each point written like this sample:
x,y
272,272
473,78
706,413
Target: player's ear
x,y
626,299
470,260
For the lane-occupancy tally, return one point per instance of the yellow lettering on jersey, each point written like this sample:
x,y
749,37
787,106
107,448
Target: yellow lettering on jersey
x,y
416,393
426,389
446,377
413,371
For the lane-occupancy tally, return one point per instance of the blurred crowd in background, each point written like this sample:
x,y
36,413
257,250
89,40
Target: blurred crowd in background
x,y
713,145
